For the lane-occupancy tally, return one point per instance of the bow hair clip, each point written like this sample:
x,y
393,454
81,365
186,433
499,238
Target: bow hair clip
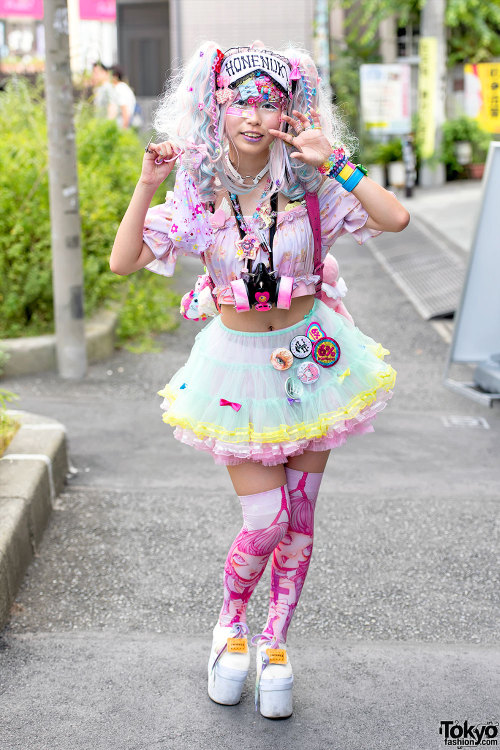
x,y
295,72
218,62
198,151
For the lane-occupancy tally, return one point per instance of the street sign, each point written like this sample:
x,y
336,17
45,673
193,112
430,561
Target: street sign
x,y
476,336
385,98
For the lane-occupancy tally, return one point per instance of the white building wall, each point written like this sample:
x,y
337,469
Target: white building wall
x,y
232,23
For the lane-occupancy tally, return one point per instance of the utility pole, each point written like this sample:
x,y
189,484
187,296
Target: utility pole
x,y
432,90
67,266
321,43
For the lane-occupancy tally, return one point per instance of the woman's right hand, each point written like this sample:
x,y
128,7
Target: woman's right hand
x,y
155,174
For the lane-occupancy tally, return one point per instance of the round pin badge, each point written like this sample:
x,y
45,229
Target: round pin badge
x,y
281,359
308,372
326,352
294,389
301,347
315,332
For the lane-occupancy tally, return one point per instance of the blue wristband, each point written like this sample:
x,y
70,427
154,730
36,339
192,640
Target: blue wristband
x,y
353,180
349,176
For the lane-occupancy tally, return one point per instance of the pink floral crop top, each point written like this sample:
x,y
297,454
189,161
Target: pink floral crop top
x,y
182,226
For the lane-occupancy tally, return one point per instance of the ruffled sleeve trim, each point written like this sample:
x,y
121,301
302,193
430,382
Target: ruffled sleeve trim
x,y
342,212
180,226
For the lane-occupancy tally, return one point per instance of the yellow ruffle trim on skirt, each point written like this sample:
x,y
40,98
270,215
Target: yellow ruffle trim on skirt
x,y
384,381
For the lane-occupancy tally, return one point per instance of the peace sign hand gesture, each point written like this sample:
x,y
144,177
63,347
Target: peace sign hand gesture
x,y
311,146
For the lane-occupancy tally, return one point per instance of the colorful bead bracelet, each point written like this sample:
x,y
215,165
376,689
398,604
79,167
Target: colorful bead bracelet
x,y
337,167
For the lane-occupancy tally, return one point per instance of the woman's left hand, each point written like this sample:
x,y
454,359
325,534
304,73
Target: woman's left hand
x,y
311,146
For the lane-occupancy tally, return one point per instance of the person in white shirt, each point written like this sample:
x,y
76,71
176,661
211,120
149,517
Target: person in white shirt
x,y
102,89
124,98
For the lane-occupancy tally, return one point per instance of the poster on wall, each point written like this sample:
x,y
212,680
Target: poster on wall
x,y
98,10
385,98
482,94
21,8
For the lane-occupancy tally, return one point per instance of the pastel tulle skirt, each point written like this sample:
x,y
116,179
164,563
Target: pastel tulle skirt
x,y
231,400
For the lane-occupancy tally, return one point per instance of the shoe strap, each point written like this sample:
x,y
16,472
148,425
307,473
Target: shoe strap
x,y
273,643
238,630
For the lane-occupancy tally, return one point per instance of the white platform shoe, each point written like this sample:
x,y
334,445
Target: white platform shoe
x,y
274,681
228,664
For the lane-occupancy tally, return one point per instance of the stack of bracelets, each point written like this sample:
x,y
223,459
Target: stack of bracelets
x,y
337,167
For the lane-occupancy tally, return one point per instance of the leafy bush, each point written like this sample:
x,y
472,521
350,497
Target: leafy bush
x,y
390,151
463,129
109,162
8,425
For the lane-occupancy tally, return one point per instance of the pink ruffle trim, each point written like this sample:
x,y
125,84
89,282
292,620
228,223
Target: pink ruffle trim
x,y
272,454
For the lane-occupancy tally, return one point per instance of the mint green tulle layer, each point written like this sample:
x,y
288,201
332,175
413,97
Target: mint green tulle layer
x,y
228,398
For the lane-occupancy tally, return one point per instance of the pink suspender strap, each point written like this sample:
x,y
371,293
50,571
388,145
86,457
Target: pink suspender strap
x,y
312,203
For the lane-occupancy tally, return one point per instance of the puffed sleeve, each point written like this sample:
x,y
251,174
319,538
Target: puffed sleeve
x,y
180,226
341,212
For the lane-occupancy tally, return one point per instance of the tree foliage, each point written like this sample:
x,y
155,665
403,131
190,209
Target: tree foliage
x,y
473,26
109,162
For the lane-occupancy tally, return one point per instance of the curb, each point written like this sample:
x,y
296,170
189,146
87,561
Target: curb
x,y
32,473
34,354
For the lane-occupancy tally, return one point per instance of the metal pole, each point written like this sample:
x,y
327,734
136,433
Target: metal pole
x,y
322,43
67,266
432,26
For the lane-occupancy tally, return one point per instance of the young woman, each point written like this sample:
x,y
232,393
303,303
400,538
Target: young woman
x,y
278,378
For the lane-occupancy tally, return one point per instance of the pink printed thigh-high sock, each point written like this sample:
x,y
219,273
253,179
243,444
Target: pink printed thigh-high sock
x,y
292,556
265,521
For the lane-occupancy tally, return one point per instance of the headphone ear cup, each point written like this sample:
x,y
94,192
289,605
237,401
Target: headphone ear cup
x,y
241,295
284,288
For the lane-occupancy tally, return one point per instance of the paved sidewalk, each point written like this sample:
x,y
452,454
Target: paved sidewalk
x,y
451,211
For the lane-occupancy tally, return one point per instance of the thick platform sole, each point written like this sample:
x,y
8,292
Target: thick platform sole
x,y
226,685
275,698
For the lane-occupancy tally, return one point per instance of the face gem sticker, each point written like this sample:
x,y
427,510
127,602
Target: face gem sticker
x,y
315,332
281,359
326,352
294,389
308,372
301,347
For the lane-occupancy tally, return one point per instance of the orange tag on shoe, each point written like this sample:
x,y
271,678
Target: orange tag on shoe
x,y
237,646
276,655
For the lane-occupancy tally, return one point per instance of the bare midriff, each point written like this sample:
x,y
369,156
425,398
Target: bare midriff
x,y
257,321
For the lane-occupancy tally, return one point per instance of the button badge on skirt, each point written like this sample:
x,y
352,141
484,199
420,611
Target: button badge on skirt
x,y
326,352
308,373
315,332
282,359
301,347
294,390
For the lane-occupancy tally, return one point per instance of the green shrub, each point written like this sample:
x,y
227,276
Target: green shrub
x,y
148,307
390,151
109,163
8,424
463,129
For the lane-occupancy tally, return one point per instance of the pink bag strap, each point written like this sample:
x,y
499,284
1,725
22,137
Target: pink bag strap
x,y
312,203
